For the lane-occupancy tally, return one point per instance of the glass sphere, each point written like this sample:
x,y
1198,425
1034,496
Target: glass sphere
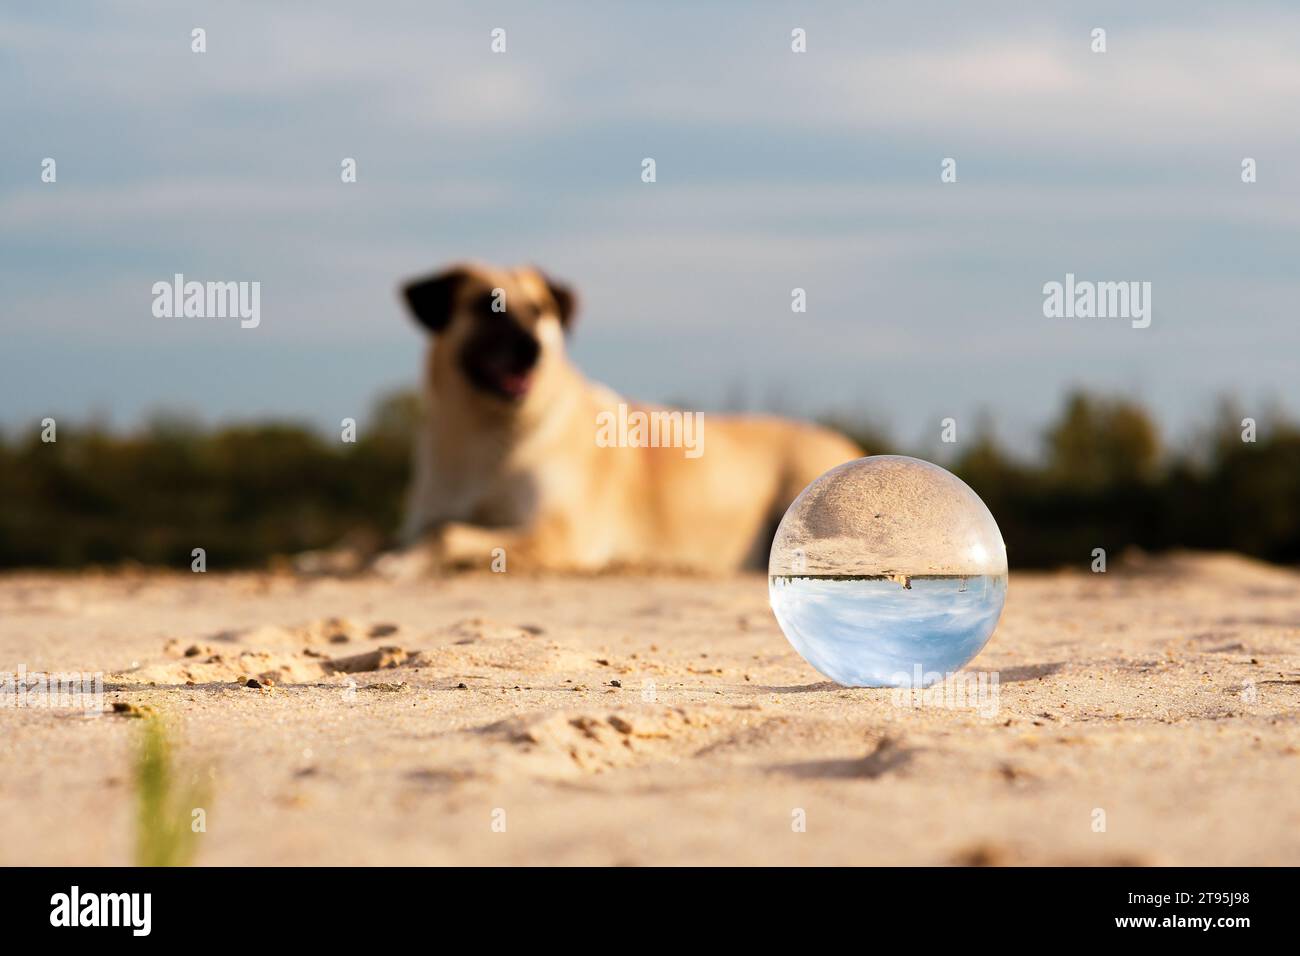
x,y
888,571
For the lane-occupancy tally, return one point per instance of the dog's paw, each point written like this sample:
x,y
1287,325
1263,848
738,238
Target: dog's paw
x,y
410,564
328,562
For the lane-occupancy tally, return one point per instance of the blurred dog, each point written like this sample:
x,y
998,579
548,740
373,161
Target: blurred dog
x,y
521,459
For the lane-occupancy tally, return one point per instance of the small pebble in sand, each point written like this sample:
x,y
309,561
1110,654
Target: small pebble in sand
x,y
128,709
383,630
339,638
616,683
253,682
462,686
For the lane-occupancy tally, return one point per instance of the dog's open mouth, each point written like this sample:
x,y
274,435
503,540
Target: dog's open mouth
x,y
502,362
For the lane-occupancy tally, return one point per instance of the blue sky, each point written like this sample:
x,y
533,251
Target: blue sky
x,y
775,170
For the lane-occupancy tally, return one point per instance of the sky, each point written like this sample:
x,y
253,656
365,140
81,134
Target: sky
x,y
775,170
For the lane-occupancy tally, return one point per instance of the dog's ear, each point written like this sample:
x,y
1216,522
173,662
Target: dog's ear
x,y
566,300
431,300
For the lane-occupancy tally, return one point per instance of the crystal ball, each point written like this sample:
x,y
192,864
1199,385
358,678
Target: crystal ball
x,y
888,571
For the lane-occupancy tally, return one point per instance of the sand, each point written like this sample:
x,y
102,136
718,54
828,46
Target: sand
x,y
1143,716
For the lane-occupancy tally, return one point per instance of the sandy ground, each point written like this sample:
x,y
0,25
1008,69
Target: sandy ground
x,y
480,719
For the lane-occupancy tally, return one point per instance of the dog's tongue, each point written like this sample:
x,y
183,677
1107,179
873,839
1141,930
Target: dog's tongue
x,y
515,384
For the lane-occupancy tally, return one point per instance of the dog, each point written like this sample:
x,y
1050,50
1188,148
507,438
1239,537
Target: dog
x,y
515,460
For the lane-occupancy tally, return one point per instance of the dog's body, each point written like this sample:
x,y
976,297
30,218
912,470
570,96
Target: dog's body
x,y
510,454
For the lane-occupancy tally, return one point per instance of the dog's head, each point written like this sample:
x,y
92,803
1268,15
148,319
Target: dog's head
x,y
497,331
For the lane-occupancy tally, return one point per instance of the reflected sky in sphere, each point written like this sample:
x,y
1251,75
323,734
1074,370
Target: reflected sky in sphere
x,y
873,632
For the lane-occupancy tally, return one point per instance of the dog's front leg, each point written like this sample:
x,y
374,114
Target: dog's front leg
x,y
412,562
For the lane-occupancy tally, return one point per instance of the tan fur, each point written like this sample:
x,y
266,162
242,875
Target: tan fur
x,y
528,476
